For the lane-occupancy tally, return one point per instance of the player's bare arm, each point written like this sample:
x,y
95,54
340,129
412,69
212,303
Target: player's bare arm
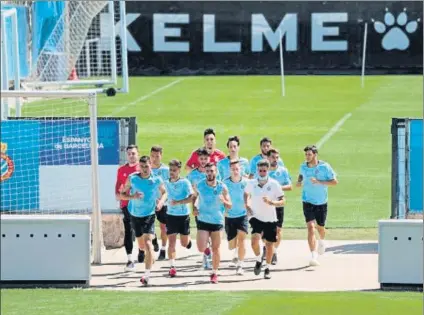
x,y
184,201
299,181
287,187
225,199
195,196
163,197
246,197
276,203
125,192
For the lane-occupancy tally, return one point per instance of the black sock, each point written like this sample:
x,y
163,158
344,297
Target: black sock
x,y
189,245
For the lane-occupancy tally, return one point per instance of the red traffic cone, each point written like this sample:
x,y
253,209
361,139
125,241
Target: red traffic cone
x,y
73,76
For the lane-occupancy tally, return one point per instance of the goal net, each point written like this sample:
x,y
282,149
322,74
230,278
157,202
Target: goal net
x,y
49,156
82,49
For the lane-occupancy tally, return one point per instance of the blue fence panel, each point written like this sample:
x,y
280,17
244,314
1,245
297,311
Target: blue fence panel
x,y
416,166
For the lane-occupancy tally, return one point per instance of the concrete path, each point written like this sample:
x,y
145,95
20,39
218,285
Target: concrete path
x,y
346,265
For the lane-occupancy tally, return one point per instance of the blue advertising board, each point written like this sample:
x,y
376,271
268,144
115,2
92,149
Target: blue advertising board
x,y
416,166
20,165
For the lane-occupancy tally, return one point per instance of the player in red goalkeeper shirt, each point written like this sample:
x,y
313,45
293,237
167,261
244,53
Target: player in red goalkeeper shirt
x,y
123,172
215,155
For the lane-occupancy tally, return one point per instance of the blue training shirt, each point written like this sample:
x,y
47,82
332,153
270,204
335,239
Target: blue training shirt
x,y
177,191
281,175
254,162
236,191
150,188
211,209
224,167
316,194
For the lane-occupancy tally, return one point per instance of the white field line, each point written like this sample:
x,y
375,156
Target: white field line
x,y
144,97
333,130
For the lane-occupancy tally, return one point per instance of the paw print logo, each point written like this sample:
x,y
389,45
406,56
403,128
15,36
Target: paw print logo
x,y
395,30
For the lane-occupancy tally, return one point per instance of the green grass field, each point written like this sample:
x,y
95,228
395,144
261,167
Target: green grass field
x,y
252,107
64,302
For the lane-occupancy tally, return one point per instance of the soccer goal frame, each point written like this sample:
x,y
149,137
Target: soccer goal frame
x,y
91,98
99,44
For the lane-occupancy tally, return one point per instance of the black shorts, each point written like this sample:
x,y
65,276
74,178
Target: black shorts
x,y
161,215
269,229
178,224
143,225
280,216
315,212
209,227
232,225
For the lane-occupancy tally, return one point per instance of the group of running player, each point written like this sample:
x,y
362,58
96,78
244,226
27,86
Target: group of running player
x,y
225,192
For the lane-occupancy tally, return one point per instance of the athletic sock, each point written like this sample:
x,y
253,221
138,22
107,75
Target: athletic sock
x,y
163,248
147,273
259,258
129,256
172,262
235,253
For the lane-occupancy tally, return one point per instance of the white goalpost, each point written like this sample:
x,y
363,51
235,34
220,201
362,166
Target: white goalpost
x,y
49,165
83,50
364,51
283,84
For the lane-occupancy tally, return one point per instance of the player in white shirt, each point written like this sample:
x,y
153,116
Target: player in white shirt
x,y
261,196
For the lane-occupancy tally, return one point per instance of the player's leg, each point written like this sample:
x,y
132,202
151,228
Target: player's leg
x,y
202,239
231,231
184,231
136,224
171,230
207,253
309,213
255,242
216,252
241,251
270,235
128,239
280,221
161,216
321,217
148,234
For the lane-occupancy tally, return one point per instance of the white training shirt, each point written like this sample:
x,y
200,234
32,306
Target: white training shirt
x,y
261,210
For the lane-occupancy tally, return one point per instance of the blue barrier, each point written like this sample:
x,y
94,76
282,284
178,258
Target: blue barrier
x,y
416,166
22,15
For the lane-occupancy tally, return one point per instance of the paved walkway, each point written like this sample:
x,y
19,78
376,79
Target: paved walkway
x,y
347,265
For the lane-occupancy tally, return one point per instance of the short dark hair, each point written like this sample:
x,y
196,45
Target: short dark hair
x,y
263,162
210,164
202,152
265,139
232,162
132,146
208,131
175,163
234,138
144,159
156,148
272,151
312,148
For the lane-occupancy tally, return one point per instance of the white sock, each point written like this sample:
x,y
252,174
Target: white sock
x,y
314,255
240,263
172,262
163,248
266,266
259,258
129,257
215,271
235,253
147,273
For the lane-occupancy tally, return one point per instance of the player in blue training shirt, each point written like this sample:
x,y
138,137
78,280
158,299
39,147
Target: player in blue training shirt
x,y
233,145
316,176
265,145
180,194
161,170
213,198
282,176
199,173
236,222
146,194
